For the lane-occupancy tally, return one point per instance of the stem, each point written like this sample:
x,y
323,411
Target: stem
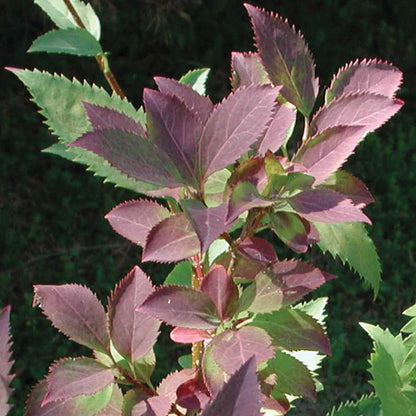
x,y
101,59
306,130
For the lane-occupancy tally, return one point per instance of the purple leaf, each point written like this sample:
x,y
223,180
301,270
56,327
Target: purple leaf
x,y
258,250
281,405
296,279
175,129
173,239
181,306
153,406
286,58
240,396
214,376
188,335
277,132
231,349
247,69
133,334
133,155
6,362
72,377
326,153
193,394
374,77
297,233
209,223
134,219
251,170
294,330
324,205
200,105
103,118
350,186
220,287
234,125
366,110
75,311
170,384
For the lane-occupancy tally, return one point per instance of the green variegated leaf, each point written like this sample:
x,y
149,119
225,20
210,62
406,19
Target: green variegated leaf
x,y
197,79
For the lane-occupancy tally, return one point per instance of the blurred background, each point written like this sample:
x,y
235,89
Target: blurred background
x,y
51,210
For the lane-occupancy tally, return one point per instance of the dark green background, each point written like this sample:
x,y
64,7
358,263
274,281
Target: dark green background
x,y
51,218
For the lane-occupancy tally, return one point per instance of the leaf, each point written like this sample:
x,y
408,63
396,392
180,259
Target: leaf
x,y
61,103
134,219
369,76
197,103
233,126
132,333
152,406
75,311
240,396
170,383
294,330
214,187
196,78
193,394
231,349
69,378
115,404
247,69
70,41
366,406
214,375
286,58
326,206
185,361
220,287
351,243
188,335
258,250
181,306
6,362
278,130
62,17
324,154
171,240
366,110
180,275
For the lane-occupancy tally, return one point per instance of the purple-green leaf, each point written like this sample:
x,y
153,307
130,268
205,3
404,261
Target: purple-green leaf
x,y
6,362
286,58
326,153
133,333
173,239
234,125
247,69
73,377
199,104
181,306
214,375
231,349
240,396
75,311
134,219
367,76
170,383
325,205
152,406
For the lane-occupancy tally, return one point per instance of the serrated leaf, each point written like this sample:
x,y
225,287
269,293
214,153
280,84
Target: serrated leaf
x,y
351,243
70,378
231,349
366,406
62,17
240,396
75,311
214,375
181,306
411,311
114,406
294,330
286,58
369,76
326,206
180,275
196,78
170,383
367,110
326,153
70,41
247,69
233,126
152,406
134,219
6,362
133,334
173,239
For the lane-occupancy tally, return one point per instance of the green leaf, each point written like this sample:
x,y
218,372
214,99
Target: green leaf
x,y
366,406
197,79
60,101
215,186
180,275
352,244
71,41
315,308
185,361
143,367
410,311
62,17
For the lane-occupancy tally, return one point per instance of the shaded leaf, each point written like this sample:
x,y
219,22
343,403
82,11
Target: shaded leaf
x,y
6,362
193,394
188,335
286,58
247,69
181,306
185,361
173,239
70,41
367,406
75,311
196,78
